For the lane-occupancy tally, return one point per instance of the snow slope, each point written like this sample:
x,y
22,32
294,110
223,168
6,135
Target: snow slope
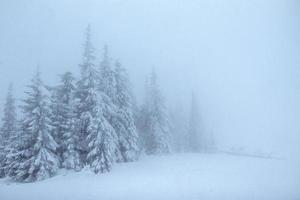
x,y
174,177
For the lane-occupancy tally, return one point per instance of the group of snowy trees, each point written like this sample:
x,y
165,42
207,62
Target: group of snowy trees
x,y
88,121
80,122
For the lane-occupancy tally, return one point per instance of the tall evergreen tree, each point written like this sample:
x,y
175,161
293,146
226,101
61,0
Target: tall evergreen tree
x,y
86,95
211,143
142,118
101,142
8,131
63,119
124,121
107,81
35,158
93,112
155,123
9,118
178,127
195,144
107,92
55,110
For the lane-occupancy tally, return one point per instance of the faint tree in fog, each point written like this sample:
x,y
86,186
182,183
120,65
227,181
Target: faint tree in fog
x,y
178,127
195,139
7,131
154,120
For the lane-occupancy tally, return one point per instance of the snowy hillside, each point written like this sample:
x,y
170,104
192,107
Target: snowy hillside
x,y
172,177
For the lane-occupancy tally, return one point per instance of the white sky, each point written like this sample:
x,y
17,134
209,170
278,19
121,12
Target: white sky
x,y
242,58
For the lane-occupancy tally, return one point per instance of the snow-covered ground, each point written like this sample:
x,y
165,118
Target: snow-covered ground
x,y
171,177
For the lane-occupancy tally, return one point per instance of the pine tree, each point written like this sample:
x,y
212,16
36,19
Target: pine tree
x,y
211,143
35,158
194,134
86,95
124,121
62,120
178,127
107,92
9,119
56,118
101,146
155,120
8,132
142,119
107,82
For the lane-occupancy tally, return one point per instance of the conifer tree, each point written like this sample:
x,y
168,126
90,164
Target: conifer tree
x,y
211,143
62,120
195,144
8,127
101,142
178,127
86,95
155,120
107,92
124,121
142,119
107,82
35,158
8,131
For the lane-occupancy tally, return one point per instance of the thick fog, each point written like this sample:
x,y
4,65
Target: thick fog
x,y
241,58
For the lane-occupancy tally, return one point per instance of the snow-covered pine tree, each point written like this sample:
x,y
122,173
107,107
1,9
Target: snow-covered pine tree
x,y
8,132
8,127
155,120
142,119
93,111
101,141
35,158
178,127
124,122
55,111
62,121
211,143
194,133
86,96
107,82
107,92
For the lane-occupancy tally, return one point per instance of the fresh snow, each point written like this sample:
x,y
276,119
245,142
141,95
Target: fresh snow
x,y
170,177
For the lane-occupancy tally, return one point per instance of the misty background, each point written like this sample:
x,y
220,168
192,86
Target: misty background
x,y
241,58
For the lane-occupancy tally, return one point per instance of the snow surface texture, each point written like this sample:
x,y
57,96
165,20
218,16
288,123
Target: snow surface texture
x,y
178,176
